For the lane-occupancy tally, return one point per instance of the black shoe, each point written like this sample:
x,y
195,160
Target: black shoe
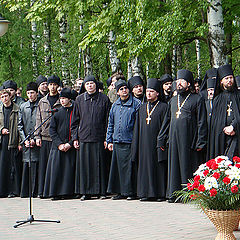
x,y
171,200
56,198
85,197
131,198
11,195
103,197
161,199
144,199
118,197
77,196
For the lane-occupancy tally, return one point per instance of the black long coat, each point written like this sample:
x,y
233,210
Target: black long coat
x,y
185,135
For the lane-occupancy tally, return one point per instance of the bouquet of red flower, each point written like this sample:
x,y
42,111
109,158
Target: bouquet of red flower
x,y
215,186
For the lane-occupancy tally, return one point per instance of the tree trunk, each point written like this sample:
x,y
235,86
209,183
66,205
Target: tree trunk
x,y
179,62
47,46
65,70
174,61
167,64
80,53
216,34
34,49
114,61
129,72
198,49
229,42
87,62
137,69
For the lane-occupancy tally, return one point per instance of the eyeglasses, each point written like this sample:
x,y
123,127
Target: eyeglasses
x,y
122,88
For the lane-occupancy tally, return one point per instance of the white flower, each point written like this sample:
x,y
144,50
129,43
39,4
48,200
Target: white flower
x,y
233,173
210,182
222,157
200,170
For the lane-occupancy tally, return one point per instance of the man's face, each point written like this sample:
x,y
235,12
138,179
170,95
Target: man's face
x,y
167,87
182,85
52,87
151,95
114,79
12,92
5,98
138,90
227,82
210,92
123,92
78,84
43,87
197,87
65,102
32,95
18,92
90,87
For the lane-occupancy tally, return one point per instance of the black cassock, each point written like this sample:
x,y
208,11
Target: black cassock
x,y
219,142
185,135
152,174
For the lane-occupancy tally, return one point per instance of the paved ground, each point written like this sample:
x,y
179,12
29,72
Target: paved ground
x,y
104,219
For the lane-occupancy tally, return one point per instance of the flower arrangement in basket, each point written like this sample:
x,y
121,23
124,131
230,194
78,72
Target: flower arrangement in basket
x,y
216,189
216,185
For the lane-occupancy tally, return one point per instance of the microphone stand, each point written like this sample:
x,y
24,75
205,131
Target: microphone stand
x,y
31,219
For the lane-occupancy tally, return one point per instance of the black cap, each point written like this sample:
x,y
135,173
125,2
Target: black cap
x,y
74,94
90,78
224,71
10,84
32,86
153,83
186,75
54,79
134,81
237,79
120,83
41,79
211,82
66,92
166,78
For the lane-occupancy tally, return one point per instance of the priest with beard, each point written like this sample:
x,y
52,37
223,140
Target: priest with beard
x,y
185,129
225,122
152,174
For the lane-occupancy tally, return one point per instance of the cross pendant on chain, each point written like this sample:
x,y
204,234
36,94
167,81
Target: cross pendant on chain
x,y
148,119
178,114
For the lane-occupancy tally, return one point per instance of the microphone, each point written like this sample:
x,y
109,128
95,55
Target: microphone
x,y
52,110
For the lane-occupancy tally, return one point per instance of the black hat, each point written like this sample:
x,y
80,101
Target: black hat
x,y
186,75
198,80
41,79
154,84
66,92
32,86
109,81
166,78
74,94
120,83
210,73
10,84
54,79
134,81
90,78
211,82
224,71
237,79
100,85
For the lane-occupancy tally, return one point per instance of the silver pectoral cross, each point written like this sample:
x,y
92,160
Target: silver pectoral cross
x,y
148,119
229,110
178,114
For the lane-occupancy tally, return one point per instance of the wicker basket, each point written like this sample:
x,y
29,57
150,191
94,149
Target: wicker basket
x,y
224,221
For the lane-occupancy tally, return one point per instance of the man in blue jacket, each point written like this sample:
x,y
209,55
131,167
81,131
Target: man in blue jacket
x,y
119,137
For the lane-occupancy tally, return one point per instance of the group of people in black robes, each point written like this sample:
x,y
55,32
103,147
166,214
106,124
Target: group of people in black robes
x,y
142,142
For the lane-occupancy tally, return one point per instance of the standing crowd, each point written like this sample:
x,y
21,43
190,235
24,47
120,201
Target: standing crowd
x,y
140,141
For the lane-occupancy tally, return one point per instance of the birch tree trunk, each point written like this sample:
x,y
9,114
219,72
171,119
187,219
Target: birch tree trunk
x,y
129,71
174,61
34,49
80,54
47,46
65,70
87,62
147,69
179,61
216,33
114,61
137,69
198,53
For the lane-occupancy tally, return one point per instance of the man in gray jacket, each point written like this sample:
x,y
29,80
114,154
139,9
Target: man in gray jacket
x,y
26,125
